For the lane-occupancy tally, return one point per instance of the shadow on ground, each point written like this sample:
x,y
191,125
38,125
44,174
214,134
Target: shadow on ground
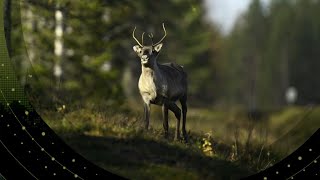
x,y
139,158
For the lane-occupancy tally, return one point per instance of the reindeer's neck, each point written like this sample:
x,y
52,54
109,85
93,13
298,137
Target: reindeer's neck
x,y
150,69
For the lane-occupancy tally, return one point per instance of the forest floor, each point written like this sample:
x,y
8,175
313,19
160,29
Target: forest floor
x,y
218,147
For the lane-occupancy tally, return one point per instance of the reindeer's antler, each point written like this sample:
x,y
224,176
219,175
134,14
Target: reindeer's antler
x,y
136,38
142,38
165,34
151,37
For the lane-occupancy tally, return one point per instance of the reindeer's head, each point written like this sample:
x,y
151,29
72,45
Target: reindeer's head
x,y
148,54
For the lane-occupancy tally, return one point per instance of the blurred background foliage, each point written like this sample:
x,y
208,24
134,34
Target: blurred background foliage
x,y
98,63
273,48
269,49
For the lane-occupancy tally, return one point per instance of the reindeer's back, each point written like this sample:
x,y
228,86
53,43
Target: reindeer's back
x,y
176,78
173,69
174,66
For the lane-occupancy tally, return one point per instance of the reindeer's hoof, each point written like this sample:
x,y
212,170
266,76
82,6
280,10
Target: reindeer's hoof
x,y
185,136
186,139
177,138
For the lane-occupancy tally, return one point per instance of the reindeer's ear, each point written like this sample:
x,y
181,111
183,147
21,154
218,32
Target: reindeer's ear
x,y
137,48
158,47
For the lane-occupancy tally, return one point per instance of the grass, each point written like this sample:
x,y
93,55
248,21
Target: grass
x,y
139,158
223,145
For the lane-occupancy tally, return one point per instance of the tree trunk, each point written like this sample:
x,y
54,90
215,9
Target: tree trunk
x,y
58,45
7,24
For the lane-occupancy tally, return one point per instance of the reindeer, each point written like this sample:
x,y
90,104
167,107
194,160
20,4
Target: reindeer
x,y
162,85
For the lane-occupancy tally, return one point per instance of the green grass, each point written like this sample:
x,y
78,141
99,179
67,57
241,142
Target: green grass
x,y
117,142
294,128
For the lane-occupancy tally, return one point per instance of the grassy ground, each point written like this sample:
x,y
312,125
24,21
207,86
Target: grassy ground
x,y
143,158
223,145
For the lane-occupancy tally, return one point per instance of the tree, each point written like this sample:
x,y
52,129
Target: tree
x,y
97,47
244,64
7,23
273,49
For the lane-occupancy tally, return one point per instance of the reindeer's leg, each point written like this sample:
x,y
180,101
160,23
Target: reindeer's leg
x,y
146,115
165,120
183,102
177,112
